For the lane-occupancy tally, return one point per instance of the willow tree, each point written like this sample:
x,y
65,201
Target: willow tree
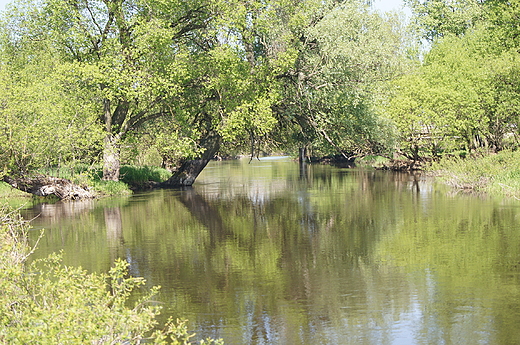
x,y
343,55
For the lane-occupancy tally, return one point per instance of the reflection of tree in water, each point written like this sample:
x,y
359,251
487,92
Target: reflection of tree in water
x,y
114,226
349,254
288,250
57,212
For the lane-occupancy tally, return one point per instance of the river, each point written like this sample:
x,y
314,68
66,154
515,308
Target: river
x,y
268,252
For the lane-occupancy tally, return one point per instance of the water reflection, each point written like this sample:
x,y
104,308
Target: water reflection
x,y
268,253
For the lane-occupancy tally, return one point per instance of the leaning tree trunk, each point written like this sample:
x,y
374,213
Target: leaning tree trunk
x,y
111,158
190,169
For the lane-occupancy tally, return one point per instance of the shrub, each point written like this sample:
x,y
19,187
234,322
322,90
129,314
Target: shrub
x,y
47,302
132,174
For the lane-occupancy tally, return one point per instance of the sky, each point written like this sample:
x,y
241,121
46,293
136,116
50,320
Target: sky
x,y
3,3
384,5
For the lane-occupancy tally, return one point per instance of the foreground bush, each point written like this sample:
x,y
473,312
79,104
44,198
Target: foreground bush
x,y
47,302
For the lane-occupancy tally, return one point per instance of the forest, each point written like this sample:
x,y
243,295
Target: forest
x,y
92,86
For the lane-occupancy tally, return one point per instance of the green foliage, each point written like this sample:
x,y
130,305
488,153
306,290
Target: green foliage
x,y
331,92
439,18
47,302
43,120
134,175
111,188
91,177
465,96
160,77
496,173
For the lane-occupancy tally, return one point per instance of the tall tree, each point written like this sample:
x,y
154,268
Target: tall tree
x,y
45,120
465,96
127,55
345,53
437,18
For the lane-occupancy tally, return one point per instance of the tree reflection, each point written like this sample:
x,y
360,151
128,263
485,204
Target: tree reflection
x,y
343,256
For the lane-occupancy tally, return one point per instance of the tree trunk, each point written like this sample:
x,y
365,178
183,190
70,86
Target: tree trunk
x,y
190,169
111,158
302,156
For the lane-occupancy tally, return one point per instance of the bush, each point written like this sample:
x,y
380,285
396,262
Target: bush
x,y
140,175
47,302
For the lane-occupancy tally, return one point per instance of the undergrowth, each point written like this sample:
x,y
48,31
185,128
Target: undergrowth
x,y
497,174
131,177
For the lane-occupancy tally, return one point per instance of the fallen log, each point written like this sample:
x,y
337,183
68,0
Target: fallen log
x,y
63,189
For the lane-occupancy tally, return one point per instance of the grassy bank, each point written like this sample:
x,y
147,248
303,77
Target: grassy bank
x,y
46,302
132,178
497,174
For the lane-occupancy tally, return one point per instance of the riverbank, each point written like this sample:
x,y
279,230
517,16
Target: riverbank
x,y
496,174
132,178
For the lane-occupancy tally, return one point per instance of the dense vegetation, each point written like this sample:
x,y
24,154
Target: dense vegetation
x,y
174,83
152,82
97,85
165,82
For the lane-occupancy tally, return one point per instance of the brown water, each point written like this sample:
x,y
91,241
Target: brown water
x,y
267,253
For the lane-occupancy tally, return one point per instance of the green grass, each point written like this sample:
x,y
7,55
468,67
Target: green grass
x,y
497,174
9,192
131,177
140,175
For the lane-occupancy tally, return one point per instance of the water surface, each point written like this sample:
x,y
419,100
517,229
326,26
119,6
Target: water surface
x,y
268,252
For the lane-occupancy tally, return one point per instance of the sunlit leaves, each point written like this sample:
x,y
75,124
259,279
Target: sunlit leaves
x,y
438,18
463,97
346,55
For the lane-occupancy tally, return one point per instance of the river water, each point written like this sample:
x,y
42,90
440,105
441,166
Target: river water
x,y
268,252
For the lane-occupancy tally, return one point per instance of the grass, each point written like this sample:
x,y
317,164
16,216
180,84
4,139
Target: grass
x,y
9,192
139,176
497,174
132,177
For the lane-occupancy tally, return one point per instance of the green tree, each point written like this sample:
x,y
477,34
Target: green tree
x,y
344,53
439,108
127,57
437,18
44,119
465,95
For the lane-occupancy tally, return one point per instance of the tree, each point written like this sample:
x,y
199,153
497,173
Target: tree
x,y
437,18
465,95
127,56
45,120
221,74
344,54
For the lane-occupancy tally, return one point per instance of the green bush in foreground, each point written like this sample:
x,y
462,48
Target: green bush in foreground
x,y
47,302
489,173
